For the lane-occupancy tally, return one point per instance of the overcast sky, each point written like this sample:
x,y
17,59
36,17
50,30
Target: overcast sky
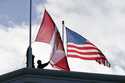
x,y
100,21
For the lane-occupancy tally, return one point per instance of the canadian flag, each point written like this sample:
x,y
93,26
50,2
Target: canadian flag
x,y
48,33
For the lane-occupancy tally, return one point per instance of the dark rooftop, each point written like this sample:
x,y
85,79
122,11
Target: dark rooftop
x,y
53,74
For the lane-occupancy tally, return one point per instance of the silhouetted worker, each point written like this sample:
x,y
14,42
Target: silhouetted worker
x,y
40,65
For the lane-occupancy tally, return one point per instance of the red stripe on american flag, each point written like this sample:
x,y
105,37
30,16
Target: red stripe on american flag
x,y
85,53
83,48
86,58
89,43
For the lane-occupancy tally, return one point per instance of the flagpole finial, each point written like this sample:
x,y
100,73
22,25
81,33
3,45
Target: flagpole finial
x,y
63,30
63,22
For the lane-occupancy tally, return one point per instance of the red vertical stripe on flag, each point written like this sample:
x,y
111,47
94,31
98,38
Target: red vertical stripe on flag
x,y
46,29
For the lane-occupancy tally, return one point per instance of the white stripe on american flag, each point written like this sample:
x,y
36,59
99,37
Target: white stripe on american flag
x,y
79,50
81,45
77,54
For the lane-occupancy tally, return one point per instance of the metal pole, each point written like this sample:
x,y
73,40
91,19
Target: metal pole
x,y
63,31
29,50
30,27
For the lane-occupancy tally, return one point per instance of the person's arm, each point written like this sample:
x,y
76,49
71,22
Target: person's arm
x,y
45,64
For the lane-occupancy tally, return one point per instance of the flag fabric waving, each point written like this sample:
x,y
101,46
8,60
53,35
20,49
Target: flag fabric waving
x,y
46,30
59,59
80,47
48,33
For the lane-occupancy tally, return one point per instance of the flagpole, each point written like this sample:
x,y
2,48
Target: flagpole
x,y
29,50
63,31
30,20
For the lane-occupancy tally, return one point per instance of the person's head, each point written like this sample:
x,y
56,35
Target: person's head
x,y
33,56
39,62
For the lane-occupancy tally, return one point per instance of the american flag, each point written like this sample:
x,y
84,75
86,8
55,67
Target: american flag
x,y
79,47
